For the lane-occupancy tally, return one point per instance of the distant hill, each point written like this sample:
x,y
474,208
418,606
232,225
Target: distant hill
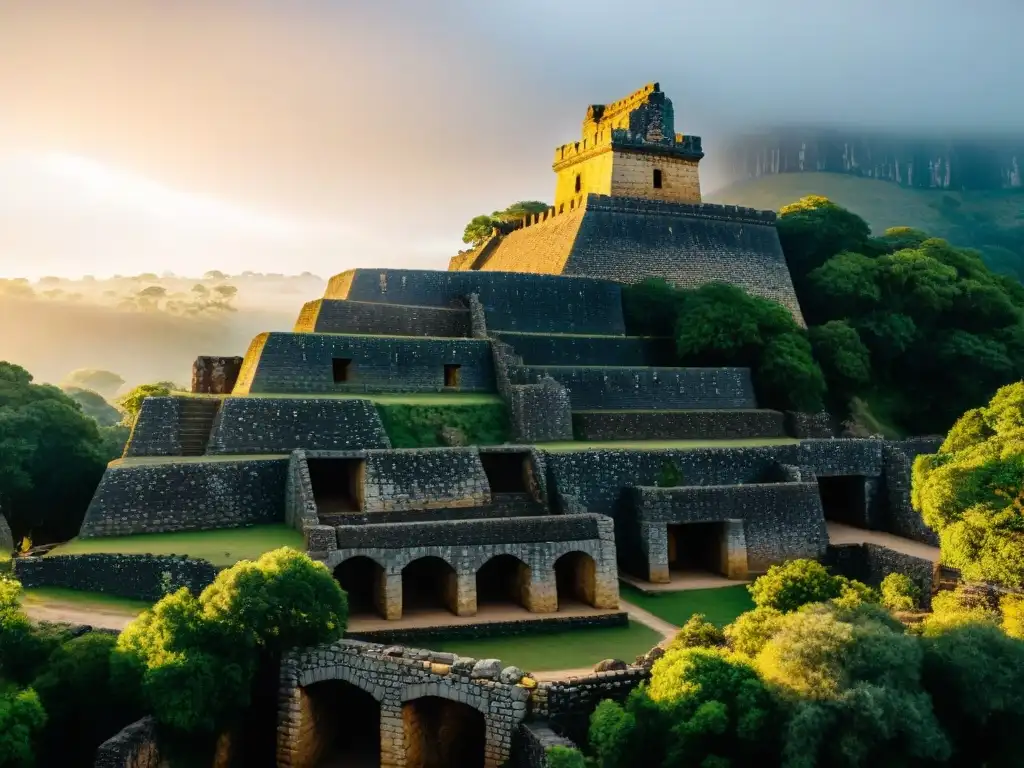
x,y
990,220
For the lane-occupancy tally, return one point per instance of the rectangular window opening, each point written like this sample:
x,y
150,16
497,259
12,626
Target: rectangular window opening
x,y
657,178
451,375
342,369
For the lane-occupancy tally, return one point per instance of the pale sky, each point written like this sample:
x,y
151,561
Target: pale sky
x,y
187,135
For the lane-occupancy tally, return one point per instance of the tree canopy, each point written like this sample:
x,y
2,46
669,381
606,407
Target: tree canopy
x,y
479,228
52,456
130,402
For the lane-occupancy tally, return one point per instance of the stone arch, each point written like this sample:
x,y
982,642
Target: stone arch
x,y
502,579
576,578
441,731
341,725
429,582
312,675
365,582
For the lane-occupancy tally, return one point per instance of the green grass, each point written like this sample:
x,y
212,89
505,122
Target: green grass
x,y
221,547
82,599
558,650
138,461
652,445
720,605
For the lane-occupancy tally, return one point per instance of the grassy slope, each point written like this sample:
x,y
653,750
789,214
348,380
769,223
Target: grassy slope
x,y
221,547
881,203
559,650
84,600
720,605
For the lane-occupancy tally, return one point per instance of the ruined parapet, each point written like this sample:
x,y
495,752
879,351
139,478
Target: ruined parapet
x,y
540,412
215,375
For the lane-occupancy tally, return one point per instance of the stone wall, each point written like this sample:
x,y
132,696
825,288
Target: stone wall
x,y
870,563
139,577
379,319
899,461
510,299
304,362
417,478
629,240
533,625
780,521
538,543
397,679
539,412
186,496
536,349
531,743
677,425
568,704
809,425
247,425
650,388
156,429
134,746
300,510
215,375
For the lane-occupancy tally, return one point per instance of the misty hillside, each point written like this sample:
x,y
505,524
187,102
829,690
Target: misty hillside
x,y
144,328
991,221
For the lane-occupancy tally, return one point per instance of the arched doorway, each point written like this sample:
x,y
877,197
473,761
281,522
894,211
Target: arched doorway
x,y
502,580
429,584
443,734
575,579
363,581
345,728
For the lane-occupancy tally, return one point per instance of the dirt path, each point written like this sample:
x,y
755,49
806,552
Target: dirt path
x,y
56,611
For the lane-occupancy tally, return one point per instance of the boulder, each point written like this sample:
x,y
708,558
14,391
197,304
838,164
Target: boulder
x,y
452,437
610,665
488,669
511,675
463,665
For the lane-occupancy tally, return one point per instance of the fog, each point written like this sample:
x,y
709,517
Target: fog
x,y
368,133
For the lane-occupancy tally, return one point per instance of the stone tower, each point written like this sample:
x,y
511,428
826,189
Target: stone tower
x,y
628,207
629,148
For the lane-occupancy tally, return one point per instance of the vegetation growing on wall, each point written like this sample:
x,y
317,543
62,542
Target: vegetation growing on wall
x,y
420,426
721,325
479,228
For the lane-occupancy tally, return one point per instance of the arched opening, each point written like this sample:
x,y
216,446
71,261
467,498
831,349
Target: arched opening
x,y
575,579
579,183
363,580
429,584
502,580
343,726
657,178
443,734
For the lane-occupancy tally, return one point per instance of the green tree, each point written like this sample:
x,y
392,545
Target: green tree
x,y
564,757
698,632
795,583
22,717
51,458
814,229
130,403
899,593
844,359
479,227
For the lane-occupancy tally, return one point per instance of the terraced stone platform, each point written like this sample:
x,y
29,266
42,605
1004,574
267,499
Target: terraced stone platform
x,y
707,424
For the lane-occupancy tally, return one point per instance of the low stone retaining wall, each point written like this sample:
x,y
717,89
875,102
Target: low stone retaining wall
x,y
138,577
871,563
677,425
135,746
420,635
531,743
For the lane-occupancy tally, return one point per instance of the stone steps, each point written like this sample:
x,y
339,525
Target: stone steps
x,y
195,424
696,424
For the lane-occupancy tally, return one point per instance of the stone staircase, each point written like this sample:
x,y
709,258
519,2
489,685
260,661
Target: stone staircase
x,y
502,505
195,424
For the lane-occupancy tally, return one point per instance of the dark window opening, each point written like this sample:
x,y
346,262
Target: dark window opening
x,y
429,583
451,375
363,582
440,733
342,369
337,485
657,178
348,723
844,499
696,547
507,472
579,183
502,579
575,579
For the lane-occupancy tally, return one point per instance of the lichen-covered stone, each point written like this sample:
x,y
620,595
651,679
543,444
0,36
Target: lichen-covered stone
x,y
487,668
511,675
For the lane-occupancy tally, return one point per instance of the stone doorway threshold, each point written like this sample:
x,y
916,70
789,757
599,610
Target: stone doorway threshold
x,y
682,581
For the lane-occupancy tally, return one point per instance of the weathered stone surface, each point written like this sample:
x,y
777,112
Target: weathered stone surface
x,y
452,437
511,675
6,539
378,318
610,665
487,668
135,746
215,375
870,563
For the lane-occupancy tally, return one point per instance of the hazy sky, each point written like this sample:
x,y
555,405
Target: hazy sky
x,y
189,135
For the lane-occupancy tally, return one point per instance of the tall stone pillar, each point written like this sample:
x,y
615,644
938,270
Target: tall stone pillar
x,y
464,603
540,591
392,736
734,554
392,597
654,541
606,578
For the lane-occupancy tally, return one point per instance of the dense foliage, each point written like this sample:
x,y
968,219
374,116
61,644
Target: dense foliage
x,y
479,228
910,323
419,425
971,493
721,325
52,456
130,402
831,680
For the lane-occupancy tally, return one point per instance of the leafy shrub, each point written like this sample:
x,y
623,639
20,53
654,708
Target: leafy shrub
x,y
899,593
748,634
564,757
24,648
698,632
790,585
1012,608
419,426
22,717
